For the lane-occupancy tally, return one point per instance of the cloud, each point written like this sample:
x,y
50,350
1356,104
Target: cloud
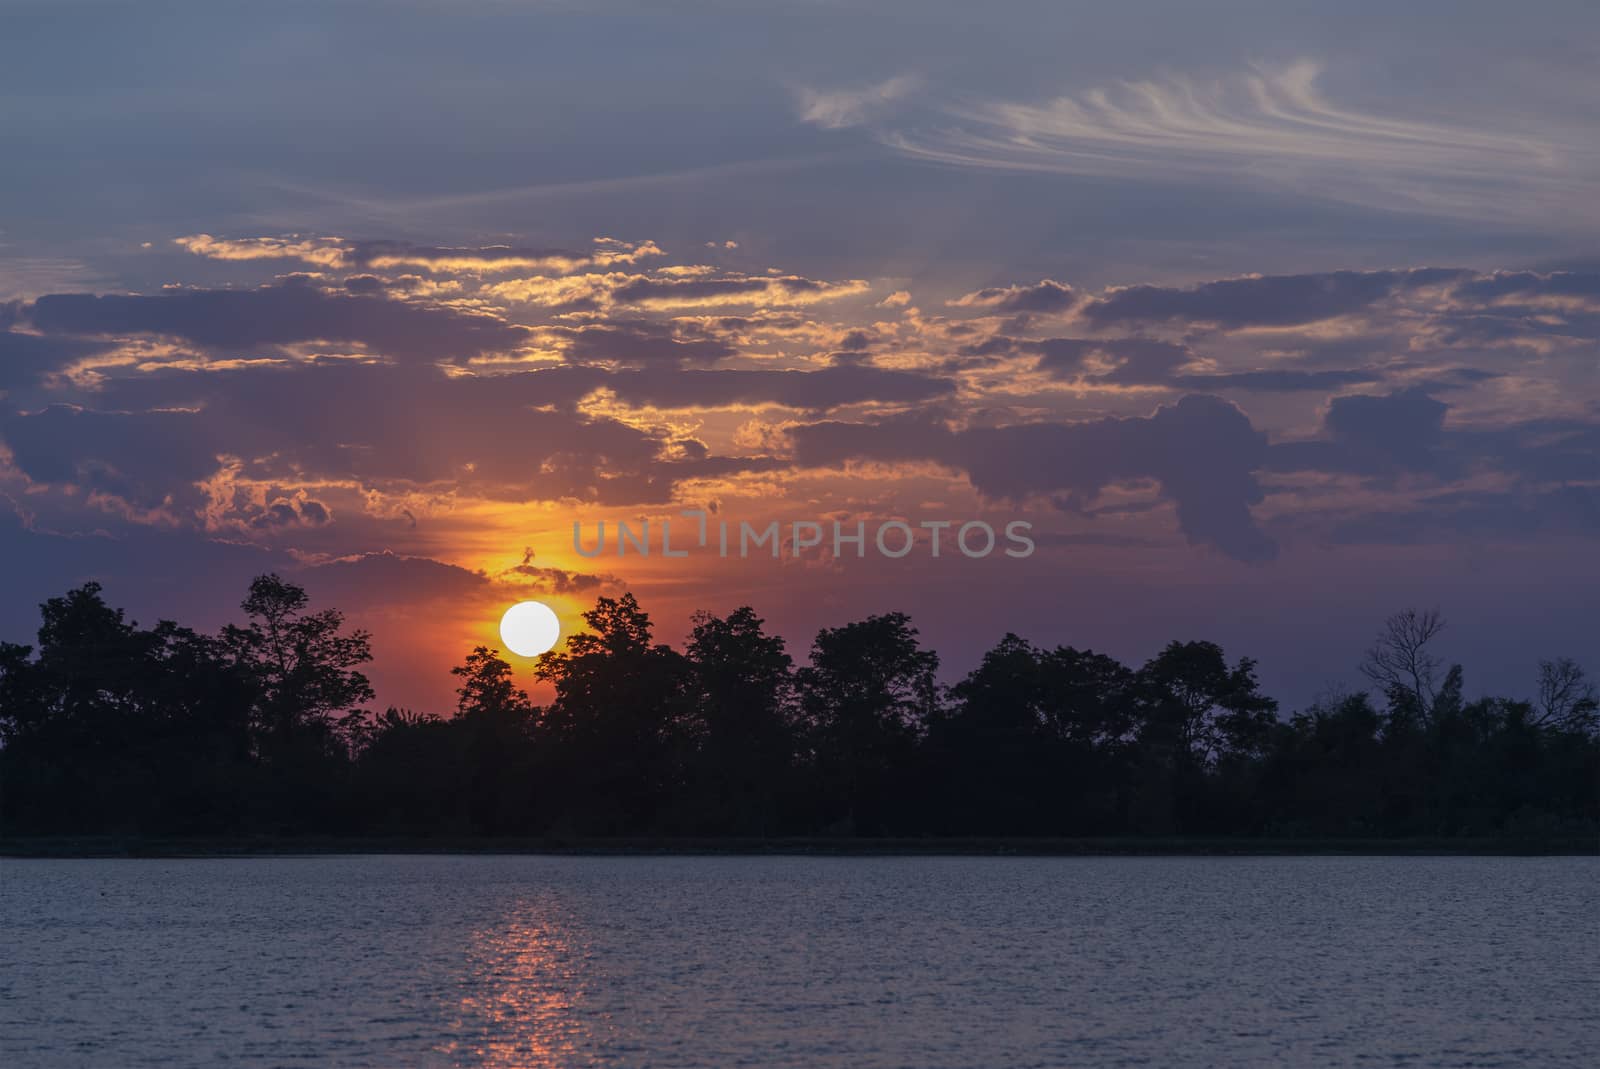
x,y
157,440
1262,300
741,289
1271,128
319,252
548,580
1375,435
1202,452
1278,381
641,342
317,424
813,390
281,314
1045,297
493,259
339,253
671,288
1109,361
215,410
366,579
1154,362
146,461
1573,289
25,358
837,109
288,513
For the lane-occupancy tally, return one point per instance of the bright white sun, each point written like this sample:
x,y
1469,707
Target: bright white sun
x,y
529,628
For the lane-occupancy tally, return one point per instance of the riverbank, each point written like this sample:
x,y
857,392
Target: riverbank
x,y
170,847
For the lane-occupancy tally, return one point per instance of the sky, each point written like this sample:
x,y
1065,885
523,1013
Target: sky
x,y
1271,319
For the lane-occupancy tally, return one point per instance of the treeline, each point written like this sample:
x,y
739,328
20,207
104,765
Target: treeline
x,y
109,728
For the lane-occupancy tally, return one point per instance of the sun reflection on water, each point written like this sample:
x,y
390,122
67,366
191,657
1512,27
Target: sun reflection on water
x,y
520,999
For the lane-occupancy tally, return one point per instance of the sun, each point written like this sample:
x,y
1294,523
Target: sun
x,y
530,628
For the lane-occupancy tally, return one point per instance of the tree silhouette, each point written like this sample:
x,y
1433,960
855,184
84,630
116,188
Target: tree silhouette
x,y
866,695
107,712
743,731
1210,710
488,688
110,727
995,746
496,728
1567,701
303,662
1401,663
618,712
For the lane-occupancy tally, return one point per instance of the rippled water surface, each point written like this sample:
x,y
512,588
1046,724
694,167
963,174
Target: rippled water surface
x,y
531,961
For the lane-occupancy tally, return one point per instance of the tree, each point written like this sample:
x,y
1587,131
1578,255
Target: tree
x,y
1401,664
1567,701
993,748
495,784
618,714
1326,773
741,688
112,726
866,695
1210,709
487,687
1089,697
304,662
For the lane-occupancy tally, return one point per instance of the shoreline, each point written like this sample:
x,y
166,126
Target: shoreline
x,y
113,846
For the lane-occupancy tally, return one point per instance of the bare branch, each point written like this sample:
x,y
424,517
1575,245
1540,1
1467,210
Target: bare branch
x,y
1400,663
1567,700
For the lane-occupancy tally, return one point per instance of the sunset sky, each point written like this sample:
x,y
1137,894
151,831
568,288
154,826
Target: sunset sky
x,y
1270,318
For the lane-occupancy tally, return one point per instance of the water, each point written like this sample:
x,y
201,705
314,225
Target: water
x,y
533,961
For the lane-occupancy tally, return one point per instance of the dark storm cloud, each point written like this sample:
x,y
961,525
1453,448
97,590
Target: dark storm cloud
x,y
1270,301
281,314
1202,451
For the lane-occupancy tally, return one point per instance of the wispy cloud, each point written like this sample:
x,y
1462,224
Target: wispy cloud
x,y
837,109
1272,127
